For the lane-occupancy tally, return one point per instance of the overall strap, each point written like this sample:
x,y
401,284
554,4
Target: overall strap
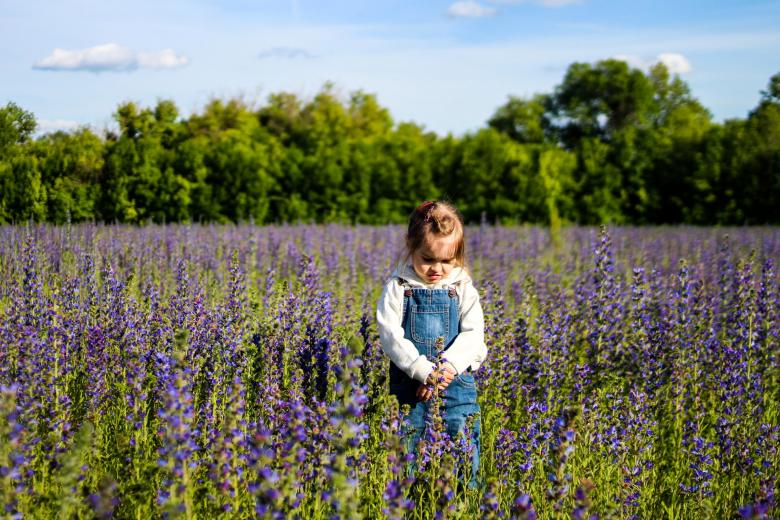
x,y
452,290
407,287
407,294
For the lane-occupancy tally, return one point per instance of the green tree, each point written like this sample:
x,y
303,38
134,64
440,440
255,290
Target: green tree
x,y
368,119
239,173
402,173
326,127
679,182
600,101
555,172
610,144
71,166
16,127
240,158
22,193
190,164
140,179
640,139
674,175
370,127
757,189
281,115
525,121
603,111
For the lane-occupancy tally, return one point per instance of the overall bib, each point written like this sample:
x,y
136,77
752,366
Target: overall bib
x,y
427,315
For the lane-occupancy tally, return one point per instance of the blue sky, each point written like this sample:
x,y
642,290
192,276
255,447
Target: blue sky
x,y
444,64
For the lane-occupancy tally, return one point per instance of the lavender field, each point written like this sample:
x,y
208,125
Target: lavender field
x,y
199,372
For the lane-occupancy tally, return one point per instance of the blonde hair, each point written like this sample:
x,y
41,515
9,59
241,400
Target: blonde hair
x,y
437,219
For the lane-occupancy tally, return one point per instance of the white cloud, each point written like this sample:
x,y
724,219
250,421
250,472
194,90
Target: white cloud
x,y
285,52
109,57
675,62
469,9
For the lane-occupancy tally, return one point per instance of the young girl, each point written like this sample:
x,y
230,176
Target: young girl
x,y
430,295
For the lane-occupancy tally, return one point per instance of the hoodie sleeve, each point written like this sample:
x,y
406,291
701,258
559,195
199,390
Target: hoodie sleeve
x,y
400,350
468,349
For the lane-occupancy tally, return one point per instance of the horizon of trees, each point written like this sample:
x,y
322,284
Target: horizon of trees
x,y
610,144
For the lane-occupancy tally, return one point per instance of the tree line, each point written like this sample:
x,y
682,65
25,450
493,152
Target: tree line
x,y
610,144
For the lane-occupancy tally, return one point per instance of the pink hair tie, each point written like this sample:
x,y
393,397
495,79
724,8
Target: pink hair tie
x,y
427,207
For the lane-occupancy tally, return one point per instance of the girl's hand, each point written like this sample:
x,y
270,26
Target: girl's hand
x,y
442,377
424,392
450,368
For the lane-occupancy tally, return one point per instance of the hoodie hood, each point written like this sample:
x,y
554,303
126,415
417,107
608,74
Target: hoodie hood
x,y
406,271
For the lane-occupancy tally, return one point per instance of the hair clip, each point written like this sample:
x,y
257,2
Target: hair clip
x,y
426,206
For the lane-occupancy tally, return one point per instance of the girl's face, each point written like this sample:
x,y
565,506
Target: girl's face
x,y
434,259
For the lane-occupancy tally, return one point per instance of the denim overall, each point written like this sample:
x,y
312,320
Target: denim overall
x,y
427,315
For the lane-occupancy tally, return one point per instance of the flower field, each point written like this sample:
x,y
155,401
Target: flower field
x,y
235,371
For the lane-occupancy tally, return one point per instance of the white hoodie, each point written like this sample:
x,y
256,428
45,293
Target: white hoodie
x,y
468,349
